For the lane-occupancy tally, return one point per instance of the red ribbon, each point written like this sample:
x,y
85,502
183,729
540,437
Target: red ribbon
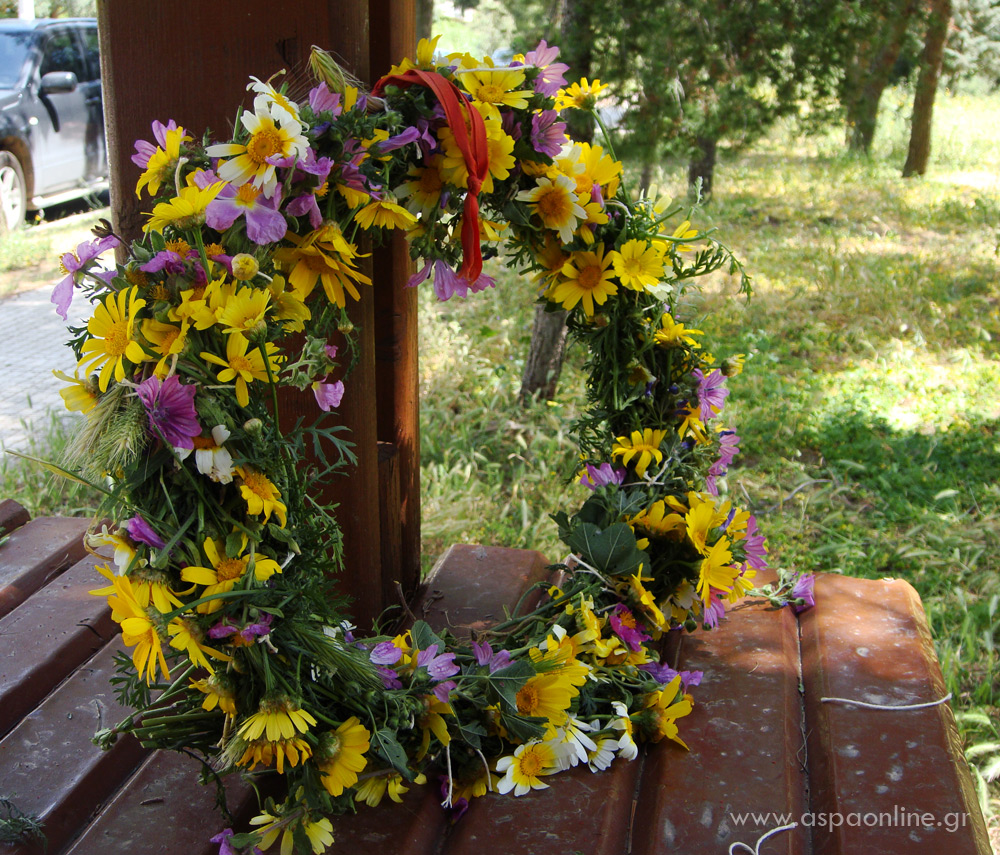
x,y
471,140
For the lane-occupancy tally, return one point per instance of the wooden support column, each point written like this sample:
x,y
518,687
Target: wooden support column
x,y
190,61
393,28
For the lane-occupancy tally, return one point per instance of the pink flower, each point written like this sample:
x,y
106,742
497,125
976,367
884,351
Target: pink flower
x,y
328,395
265,224
804,589
141,532
145,150
601,476
86,252
322,100
439,667
547,133
623,623
711,393
550,78
170,407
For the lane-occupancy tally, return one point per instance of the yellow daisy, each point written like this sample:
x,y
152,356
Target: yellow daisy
x,y
261,496
585,279
267,752
674,334
638,264
244,312
662,709
162,162
580,96
244,367
341,755
277,718
384,214
323,256
716,570
187,636
423,189
492,87
138,630
645,443
81,395
218,693
167,340
113,339
184,211
225,572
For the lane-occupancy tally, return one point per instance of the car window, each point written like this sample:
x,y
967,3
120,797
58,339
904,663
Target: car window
x,y
92,52
61,53
14,49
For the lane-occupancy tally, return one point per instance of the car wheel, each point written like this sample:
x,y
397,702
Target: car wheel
x,y
13,193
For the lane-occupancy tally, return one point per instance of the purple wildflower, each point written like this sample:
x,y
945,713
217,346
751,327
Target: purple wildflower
x,y
442,691
804,589
486,656
145,150
547,133
447,282
248,633
73,262
714,611
265,224
322,100
755,546
390,679
711,393
728,446
602,476
623,623
550,77
167,261
141,532
439,666
663,673
420,276
410,135
225,847
170,406
385,653
328,395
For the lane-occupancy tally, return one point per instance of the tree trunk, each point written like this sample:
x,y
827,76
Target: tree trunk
x,y
862,103
425,18
927,82
701,168
646,178
545,357
548,334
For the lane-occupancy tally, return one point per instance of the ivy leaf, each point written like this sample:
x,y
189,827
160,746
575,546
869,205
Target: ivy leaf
x,y
506,682
611,551
388,748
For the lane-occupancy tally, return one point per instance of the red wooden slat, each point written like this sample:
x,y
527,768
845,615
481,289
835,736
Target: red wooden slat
x,y
47,636
12,516
35,554
868,640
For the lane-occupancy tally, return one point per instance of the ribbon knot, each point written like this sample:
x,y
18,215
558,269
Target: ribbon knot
x,y
470,137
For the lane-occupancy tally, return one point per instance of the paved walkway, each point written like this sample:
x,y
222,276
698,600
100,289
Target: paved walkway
x,y
32,344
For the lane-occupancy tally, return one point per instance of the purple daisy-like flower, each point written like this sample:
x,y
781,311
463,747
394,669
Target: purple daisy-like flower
x,y
712,393
439,666
390,679
73,263
442,691
714,611
548,134
170,407
144,150
804,589
663,673
550,78
729,446
624,626
167,261
141,532
410,135
755,546
601,476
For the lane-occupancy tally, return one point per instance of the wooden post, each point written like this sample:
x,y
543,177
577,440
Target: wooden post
x,y
190,61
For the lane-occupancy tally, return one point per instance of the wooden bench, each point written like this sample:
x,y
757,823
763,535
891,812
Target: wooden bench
x,y
763,743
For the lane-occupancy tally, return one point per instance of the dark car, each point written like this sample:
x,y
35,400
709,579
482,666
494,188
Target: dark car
x,y
52,145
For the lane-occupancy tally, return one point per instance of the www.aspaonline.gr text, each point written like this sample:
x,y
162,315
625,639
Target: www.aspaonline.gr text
x,y
898,817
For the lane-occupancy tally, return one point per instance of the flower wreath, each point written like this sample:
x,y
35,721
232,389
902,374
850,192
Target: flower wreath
x,y
221,553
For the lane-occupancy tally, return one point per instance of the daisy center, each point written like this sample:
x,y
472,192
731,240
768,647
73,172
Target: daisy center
x,y
589,277
116,340
531,765
490,93
554,205
240,363
262,145
257,484
527,700
229,568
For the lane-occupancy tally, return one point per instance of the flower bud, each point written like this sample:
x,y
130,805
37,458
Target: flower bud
x,y
245,267
253,426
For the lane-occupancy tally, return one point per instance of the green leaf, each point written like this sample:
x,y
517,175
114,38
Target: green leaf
x,y
506,682
523,728
423,636
62,473
611,551
471,733
234,544
388,748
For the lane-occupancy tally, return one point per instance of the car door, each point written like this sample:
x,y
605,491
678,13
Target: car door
x,y
61,155
95,150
